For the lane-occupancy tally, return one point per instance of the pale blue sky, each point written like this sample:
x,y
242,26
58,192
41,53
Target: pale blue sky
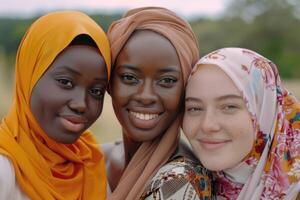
x,y
186,8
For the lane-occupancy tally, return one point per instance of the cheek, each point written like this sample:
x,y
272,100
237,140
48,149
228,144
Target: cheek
x,y
95,107
118,101
190,127
249,130
43,103
120,94
244,138
249,138
172,99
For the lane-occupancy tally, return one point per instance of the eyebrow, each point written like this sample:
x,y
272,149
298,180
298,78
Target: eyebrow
x,y
129,66
70,70
169,69
221,98
192,99
73,71
164,70
229,96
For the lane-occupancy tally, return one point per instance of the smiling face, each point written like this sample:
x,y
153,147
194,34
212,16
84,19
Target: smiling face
x,y
147,86
216,120
68,98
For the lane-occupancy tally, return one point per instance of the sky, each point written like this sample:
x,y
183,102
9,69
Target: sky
x,y
186,8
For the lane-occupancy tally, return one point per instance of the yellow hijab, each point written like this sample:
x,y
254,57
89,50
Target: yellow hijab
x,y
44,168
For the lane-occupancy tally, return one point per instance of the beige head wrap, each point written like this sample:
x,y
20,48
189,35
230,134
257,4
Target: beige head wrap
x,y
152,154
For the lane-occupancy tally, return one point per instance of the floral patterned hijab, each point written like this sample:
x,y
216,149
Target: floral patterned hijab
x,y
272,168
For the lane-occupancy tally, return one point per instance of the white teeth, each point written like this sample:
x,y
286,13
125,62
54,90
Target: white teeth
x,y
144,116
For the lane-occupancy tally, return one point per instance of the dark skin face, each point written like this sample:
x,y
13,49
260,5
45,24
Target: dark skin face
x,y
147,86
68,98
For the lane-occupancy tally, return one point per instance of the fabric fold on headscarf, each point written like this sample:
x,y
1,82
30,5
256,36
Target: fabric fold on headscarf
x,y
44,168
153,154
272,168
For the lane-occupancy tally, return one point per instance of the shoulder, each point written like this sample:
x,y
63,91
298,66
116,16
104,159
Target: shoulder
x,y
181,178
114,153
107,148
110,149
7,178
114,162
7,172
9,188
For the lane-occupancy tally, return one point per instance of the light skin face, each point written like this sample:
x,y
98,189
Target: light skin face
x,y
147,86
216,120
68,98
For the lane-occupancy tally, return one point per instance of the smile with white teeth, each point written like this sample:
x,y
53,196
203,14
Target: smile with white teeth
x,y
144,116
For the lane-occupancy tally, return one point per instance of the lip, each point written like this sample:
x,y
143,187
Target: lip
x,y
145,124
210,144
72,123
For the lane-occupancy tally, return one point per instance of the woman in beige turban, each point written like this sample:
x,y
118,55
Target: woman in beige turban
x,y
153,51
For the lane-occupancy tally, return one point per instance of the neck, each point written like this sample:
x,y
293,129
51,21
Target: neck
x,y
239,173
130,148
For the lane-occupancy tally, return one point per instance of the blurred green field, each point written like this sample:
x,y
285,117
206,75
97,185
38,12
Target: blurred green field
x,y
106,128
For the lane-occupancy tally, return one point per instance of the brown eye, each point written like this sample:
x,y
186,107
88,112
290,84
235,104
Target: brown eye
x,y
97,92
167,82
129,79
64,82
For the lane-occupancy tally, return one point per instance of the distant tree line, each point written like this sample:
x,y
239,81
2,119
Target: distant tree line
x,y
270,27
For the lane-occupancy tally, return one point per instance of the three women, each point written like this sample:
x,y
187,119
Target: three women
x,y
241,122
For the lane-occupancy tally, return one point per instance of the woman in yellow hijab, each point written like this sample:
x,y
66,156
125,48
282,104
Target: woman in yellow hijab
x,y
46,152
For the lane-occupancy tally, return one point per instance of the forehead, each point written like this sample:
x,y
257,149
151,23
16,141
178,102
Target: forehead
x,y
210,81
149,48
77,52
81,60
152,39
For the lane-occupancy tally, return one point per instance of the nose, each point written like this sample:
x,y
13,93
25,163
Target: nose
x,y
146,94
209,122
78,102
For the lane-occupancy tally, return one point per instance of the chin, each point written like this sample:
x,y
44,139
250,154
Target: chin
x,y
210,163
212,166
142,137
68,139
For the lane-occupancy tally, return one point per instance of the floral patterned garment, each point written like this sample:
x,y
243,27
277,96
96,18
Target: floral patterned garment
x,y
180,179
272,169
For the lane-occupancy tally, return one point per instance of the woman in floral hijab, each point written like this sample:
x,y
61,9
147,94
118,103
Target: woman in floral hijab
x,y
244,125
